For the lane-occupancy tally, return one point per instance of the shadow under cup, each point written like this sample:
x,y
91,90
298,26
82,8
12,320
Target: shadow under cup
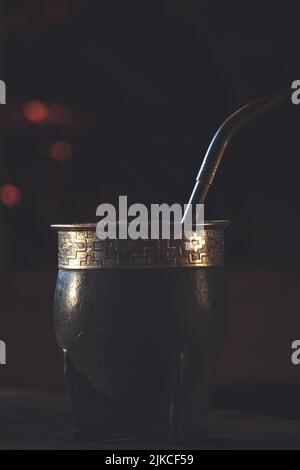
x,y
142,325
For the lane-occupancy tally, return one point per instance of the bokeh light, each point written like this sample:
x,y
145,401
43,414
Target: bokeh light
x,y
61,151
10,195
36,111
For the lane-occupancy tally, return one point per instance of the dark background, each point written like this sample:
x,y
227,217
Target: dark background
x,y
138,88
123,97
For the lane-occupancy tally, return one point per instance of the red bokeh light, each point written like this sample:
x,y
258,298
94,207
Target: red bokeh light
x,y
10,195
61,151
36,112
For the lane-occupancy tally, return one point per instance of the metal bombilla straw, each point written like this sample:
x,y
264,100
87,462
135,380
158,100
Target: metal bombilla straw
x,y
222,139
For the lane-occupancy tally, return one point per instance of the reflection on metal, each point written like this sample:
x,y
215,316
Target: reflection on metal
x,y
195,242
79,248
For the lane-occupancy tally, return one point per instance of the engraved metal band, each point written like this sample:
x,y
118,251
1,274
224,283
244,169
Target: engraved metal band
x,y
81,249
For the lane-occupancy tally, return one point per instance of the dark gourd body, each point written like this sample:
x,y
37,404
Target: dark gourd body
x,y
122,331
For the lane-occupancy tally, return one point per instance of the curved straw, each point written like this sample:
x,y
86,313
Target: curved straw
x,y
223,137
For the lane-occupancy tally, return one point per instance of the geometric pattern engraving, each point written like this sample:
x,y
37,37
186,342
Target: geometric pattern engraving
x,y
81,249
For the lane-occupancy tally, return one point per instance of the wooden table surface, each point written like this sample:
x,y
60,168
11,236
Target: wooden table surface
x,y
40,421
